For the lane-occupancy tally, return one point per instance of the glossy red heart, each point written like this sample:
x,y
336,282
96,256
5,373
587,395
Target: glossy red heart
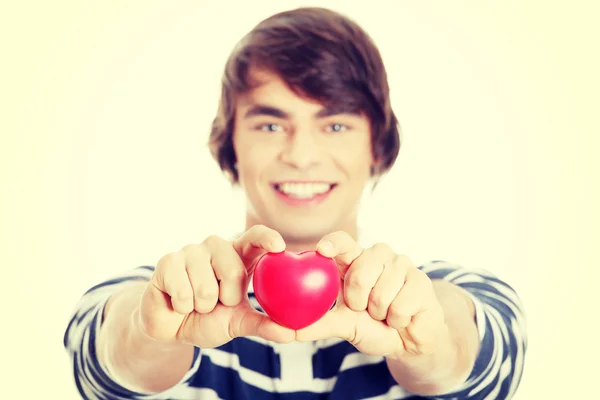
x,y
296,289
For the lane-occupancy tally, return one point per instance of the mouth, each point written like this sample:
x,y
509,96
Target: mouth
x,y
304,192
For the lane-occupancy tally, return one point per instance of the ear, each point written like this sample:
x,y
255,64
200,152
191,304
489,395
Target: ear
x,y
375,167
232,175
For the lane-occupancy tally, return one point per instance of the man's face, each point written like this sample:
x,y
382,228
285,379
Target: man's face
x,y
303,167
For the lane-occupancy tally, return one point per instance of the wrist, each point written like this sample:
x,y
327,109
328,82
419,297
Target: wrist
x,y
442,348
134,358
138,336
428,373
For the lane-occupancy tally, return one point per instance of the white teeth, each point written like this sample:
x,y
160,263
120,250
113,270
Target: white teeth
x,y
303,190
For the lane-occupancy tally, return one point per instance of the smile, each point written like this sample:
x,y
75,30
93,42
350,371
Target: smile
x,y
299,193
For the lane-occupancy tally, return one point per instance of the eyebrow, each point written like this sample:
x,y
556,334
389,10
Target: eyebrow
x,y
259,109
264,110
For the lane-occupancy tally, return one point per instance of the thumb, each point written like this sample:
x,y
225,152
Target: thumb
x,y
339,323
247,321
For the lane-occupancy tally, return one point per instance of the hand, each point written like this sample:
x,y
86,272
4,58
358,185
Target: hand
x,y
198,295
386,306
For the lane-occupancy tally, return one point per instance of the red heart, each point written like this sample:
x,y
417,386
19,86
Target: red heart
x,y
296,289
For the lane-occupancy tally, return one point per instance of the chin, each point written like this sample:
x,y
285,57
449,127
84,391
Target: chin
x,y
302,231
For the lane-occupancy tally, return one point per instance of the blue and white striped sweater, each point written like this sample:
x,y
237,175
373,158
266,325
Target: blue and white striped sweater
x,y
251,368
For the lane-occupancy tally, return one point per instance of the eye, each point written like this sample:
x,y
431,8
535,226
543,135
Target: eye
x,y
337,128
270,128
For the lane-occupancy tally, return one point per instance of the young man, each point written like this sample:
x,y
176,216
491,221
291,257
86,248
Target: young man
x,y
304,124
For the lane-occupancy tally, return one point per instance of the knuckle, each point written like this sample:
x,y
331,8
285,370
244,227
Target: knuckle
x,y
212,241
356,280
188,247
376,300
401,261
183,295
198,252
206,292
168,260
382,248
396,312
376,314
422,277
377,309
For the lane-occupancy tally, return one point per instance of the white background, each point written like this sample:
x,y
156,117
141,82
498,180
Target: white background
x,y
105,112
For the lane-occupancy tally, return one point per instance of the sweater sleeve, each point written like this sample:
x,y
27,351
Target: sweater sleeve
x,y
93,380
502,331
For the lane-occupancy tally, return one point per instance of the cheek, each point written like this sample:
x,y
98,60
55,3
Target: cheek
x,y
354,160
253,160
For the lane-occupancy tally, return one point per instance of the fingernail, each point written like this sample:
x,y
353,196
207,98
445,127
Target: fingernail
x,y
326,246
277,244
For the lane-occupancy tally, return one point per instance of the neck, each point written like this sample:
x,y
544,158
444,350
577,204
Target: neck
x,y
301,243
297,243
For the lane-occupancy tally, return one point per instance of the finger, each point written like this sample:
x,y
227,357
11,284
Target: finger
x,y
339,323
256,241
410,300
386,288
249,322
362,276
229,270
341,247
202,277
170,277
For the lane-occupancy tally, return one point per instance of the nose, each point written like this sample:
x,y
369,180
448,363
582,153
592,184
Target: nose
x,y
301,150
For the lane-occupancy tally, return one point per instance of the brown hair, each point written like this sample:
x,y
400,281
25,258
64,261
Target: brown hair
x,y
322,55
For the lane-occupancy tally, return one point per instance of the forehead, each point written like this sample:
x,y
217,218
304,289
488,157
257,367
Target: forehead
x,y
267,86
270,91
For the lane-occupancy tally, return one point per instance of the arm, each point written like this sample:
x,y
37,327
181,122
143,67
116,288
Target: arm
x,y
129,353
496,370
105,315
445,331
133,340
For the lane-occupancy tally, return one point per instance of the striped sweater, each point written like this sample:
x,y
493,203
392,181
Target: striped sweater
x,y
251,368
